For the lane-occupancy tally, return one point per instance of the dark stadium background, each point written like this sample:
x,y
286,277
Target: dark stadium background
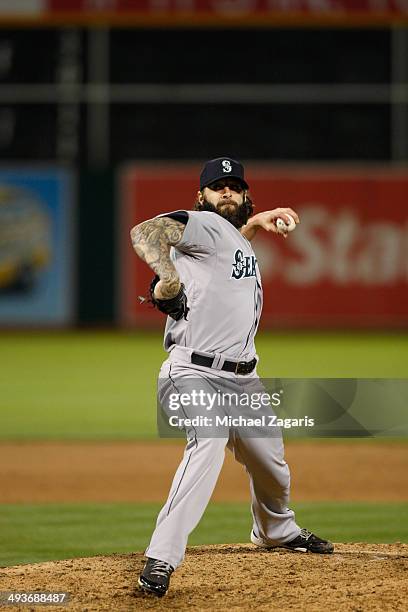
x,y
93,98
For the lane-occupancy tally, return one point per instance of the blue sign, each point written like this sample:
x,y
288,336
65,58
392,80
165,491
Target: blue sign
x,y
36,247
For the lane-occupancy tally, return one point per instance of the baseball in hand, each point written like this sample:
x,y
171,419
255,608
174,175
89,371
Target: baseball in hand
x,y
284,228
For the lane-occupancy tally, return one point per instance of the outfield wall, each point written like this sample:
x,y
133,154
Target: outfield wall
x,y
344,267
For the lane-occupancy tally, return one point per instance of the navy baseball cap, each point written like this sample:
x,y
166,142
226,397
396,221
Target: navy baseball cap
x,y
219,168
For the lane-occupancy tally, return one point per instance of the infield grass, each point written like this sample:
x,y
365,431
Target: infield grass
x,y
101,385
35,533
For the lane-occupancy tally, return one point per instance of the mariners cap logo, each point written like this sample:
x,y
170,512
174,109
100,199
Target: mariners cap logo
x,y
216,169
226,165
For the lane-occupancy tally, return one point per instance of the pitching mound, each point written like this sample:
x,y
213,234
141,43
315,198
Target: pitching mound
x,y
356,577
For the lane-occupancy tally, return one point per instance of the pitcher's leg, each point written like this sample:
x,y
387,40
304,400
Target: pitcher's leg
x,y
189,495
269,477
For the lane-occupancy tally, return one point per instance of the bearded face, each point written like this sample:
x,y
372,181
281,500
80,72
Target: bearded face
x,y
236,213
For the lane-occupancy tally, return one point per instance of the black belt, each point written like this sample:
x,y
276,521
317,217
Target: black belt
x,y
238,367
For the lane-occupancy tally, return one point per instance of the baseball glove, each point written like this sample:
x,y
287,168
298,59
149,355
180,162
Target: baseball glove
x,y
175,307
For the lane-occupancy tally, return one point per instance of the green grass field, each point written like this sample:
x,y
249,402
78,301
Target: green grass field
x,y
96,386
34,533
102,385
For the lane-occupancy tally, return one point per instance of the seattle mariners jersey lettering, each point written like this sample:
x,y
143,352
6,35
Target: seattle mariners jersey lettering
x,y
243,266
219,270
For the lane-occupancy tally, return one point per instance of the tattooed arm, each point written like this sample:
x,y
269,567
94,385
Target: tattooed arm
x,y
152,241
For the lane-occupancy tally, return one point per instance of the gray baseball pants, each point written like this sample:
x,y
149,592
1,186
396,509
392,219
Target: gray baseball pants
x,y
197,474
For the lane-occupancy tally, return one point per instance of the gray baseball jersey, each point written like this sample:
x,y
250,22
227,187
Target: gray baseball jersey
x,y
223,285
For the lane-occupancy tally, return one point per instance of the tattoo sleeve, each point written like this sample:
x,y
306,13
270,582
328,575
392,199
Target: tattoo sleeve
x,y
152,241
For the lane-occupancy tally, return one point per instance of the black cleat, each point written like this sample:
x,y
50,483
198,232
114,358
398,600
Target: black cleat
x,y
306,541
155,577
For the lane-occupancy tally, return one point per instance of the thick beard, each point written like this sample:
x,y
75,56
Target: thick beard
x,y
238,216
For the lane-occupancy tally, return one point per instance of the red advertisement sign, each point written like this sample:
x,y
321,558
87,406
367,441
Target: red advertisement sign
x,y
232,6
201,12
346,265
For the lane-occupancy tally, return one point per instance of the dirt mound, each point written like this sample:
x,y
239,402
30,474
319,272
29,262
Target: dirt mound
x,y
240,576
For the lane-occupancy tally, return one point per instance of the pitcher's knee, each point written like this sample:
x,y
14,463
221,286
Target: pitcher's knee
x,y
282,478
214,445
276,481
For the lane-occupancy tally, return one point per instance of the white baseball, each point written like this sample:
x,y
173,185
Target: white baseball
x,y
284,228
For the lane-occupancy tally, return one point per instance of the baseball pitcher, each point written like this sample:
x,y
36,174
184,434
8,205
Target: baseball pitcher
x,y
208,283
